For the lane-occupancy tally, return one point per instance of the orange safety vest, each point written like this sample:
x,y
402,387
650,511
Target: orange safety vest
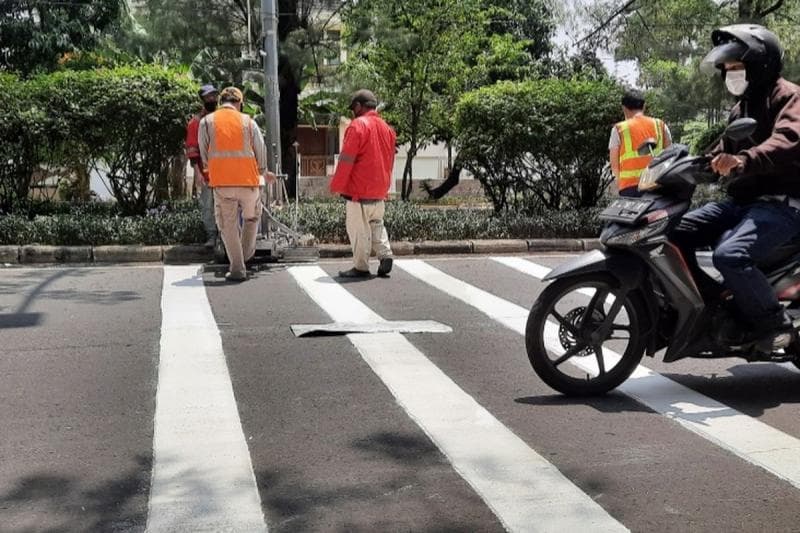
x,y
632,133
231,159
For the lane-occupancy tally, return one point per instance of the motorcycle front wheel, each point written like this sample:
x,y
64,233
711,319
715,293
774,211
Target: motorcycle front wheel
x,y
584,335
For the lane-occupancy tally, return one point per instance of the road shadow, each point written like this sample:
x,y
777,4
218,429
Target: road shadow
x,y
293,502
48,277
406,449
55,504
750,388
19,320
612,402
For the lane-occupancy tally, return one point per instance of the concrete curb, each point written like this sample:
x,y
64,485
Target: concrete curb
x,y
128,254
9,254
182,254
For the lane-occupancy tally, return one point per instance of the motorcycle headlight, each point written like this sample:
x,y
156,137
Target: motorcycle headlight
x,y
649,177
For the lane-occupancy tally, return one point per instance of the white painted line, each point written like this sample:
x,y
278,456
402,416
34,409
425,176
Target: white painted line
x,y
537,271
525,491
753,441
202,475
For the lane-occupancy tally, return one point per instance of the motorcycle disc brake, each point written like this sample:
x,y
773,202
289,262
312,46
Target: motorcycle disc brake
x,y
565,336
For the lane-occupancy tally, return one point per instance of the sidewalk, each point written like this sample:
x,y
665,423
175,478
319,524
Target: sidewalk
x,y
183,254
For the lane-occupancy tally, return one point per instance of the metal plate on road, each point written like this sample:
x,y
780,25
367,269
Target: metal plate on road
x,y
390,326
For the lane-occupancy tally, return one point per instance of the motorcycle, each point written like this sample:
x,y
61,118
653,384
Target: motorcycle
x,y
642,296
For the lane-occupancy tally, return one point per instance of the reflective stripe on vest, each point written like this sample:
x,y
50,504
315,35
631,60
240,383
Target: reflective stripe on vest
x,y
231,159
632,133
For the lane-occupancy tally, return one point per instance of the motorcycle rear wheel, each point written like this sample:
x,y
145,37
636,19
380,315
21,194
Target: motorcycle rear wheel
x,y
573,343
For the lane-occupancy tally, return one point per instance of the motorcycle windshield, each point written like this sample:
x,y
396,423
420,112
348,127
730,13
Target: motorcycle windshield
x,y
726,52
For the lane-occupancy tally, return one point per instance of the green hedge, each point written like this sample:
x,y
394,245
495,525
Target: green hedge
x,y
99,224
128,121
405,221
539,144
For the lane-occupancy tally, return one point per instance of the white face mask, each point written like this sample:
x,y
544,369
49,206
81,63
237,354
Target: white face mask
x,y
736,81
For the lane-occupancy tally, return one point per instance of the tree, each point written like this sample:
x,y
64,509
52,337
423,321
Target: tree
x,y
540,143
668,38
425,55
224,48
34,34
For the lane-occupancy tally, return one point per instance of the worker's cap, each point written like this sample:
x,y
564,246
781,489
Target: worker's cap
x,y
231,94
207,89
365,98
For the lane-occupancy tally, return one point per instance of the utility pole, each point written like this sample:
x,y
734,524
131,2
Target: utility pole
x,y
269,25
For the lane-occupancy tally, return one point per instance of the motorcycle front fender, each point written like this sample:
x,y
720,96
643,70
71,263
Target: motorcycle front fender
x,y
626,267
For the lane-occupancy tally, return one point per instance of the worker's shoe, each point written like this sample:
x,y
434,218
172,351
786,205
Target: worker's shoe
x,y
236,276
354,273
385,267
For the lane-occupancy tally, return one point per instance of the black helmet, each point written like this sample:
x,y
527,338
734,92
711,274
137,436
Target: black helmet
x,y
755,46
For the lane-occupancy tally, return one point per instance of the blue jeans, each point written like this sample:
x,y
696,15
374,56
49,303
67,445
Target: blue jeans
x,y
747,234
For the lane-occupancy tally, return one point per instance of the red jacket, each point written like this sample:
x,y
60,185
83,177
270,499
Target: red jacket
x,y
364,171
192,142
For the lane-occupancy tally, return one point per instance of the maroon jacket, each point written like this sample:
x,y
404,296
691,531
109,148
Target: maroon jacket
x,y
364,171
772,157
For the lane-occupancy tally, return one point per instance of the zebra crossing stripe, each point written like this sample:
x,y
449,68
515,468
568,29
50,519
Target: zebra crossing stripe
x,y
525,491
746,437
202,474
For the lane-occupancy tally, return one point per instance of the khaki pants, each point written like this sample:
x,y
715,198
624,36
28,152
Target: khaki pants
x,y
366,232
240,244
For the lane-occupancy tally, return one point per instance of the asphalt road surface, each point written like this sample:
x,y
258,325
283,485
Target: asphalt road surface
x,y
161,398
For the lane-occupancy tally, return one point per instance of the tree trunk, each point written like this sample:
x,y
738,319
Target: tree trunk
x,y
177,178
405,187
82,187
453,177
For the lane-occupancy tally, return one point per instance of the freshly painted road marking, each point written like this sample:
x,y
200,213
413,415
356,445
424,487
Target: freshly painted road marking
x,y
386,326
525,491
202,475
753,441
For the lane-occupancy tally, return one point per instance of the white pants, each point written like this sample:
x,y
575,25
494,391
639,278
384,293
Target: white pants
x,y
366,231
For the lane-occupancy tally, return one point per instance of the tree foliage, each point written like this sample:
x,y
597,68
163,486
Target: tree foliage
x,y
539,144
129,123
668,38
423,56
34,34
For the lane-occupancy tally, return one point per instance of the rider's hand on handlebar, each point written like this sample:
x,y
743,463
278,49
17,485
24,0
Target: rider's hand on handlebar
x,y
727,164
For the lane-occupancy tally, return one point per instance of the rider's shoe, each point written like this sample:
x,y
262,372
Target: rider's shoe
x,y
781,335
766,336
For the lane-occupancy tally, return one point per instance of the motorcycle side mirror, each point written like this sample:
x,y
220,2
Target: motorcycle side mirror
x,y
741,128
647,147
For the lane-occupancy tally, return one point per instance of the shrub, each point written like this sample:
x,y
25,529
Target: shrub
x,y
78,229
101,223
407,221
128,121
23,127
539,144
